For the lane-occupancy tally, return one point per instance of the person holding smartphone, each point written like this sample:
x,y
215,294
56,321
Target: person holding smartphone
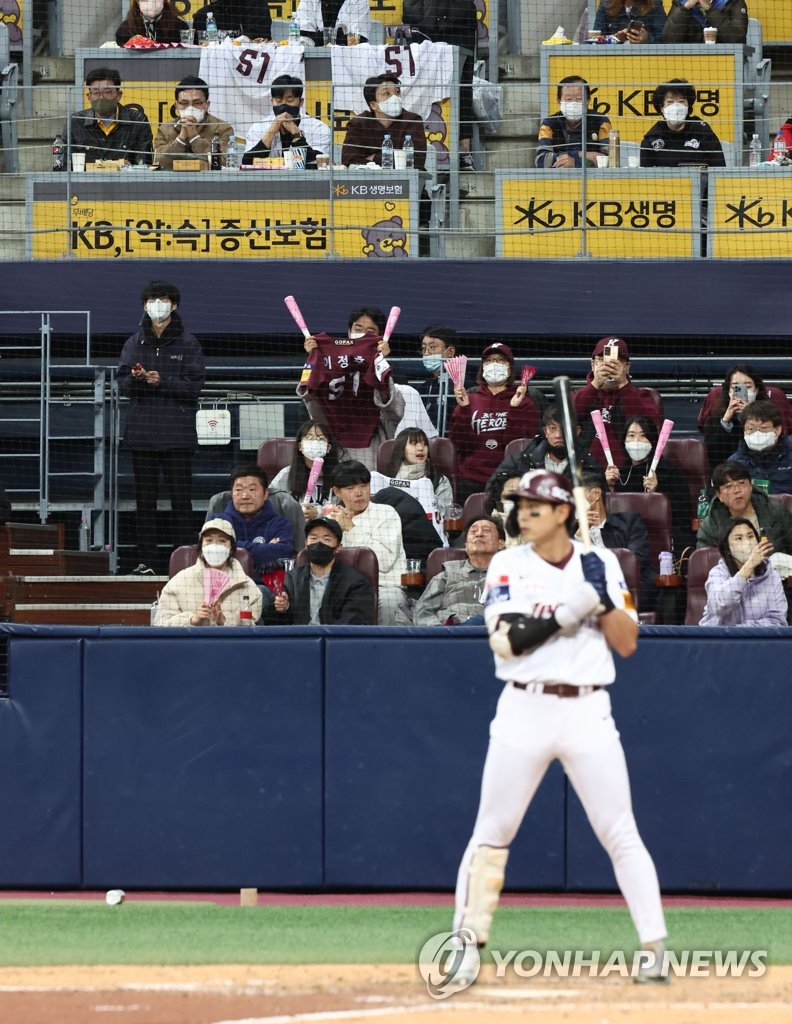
x,y
631,21
687,20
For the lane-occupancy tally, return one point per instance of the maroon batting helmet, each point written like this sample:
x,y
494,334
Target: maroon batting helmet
x,y
544,485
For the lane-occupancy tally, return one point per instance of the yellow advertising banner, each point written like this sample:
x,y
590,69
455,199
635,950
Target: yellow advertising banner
x,y
166,219
750,214
622,83
775,17
628,215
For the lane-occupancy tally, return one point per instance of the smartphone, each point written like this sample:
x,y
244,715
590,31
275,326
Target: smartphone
x,y
635,25
612,350
741,391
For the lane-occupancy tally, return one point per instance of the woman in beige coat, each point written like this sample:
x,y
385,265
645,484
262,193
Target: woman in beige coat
x,y
212,592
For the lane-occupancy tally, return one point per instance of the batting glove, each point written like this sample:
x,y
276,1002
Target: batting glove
x,y
594,573
578,606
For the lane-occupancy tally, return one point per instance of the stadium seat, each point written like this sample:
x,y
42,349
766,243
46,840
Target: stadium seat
x,y
783,499
283,503
362,559
275,454
441,452
438,558
654,510
187,555
516,446
701,561
476,505
690,455
631,567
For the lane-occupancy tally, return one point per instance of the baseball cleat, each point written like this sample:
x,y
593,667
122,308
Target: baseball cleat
x,y
653,966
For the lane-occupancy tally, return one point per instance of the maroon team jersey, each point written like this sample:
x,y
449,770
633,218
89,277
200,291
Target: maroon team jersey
x,y
344,374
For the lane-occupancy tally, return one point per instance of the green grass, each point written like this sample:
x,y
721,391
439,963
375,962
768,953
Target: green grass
x,y
60,932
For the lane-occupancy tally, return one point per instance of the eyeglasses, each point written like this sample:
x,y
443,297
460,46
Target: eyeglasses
x,y
108,93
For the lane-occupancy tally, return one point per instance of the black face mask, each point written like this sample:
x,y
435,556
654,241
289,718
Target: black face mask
x,y
559,450
285,108
320,553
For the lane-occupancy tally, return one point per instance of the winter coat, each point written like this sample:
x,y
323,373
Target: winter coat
x,y
729,17
419,537
654,21
773,465
628,530
183,595
348,599
162,418
533,457
130,139
254,534
775,522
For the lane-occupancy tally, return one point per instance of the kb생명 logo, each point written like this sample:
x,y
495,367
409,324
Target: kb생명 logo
x,y
441,961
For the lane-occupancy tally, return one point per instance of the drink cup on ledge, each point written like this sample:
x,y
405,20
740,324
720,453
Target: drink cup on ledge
x,y
452,519
413,577
710,35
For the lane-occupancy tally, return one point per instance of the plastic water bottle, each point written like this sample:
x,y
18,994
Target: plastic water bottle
x,y
780,148
211,28
232,155
409,152
666,563
215,163
702,509
58,153
387,153
245,614
754,151
614,149
294,31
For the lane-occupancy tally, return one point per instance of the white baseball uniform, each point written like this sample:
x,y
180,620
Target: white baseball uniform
x,y
532,728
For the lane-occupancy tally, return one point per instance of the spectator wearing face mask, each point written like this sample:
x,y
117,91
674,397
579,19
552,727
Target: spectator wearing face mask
x,y
719,416
561,142
487,418
385,116
744,589
288,125
154,19
632,476
687,20
679,139
190,134
765,451
546,451
107,129
438,343
313,441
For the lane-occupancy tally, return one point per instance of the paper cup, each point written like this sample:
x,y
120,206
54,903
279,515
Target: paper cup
x,y
399,160
602,160
710,35
299,155
78,161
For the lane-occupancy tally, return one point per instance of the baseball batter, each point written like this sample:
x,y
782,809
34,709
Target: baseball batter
x,y
553,613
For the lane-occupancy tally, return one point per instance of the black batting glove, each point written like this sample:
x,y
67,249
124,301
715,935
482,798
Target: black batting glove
x,y
594,573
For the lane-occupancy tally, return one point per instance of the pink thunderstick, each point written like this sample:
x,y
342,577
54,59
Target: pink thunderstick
x,y
294,309
599,426
313,476
665,431
390,326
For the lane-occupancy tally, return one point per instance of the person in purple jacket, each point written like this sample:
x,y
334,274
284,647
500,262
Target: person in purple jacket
x,y
744,589
258,527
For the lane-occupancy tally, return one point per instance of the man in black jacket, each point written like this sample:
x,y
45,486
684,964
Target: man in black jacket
x,y
620,530
108,130
325,592
545,451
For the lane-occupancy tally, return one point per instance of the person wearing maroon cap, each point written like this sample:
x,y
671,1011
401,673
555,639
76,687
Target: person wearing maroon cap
x,y
610,390
487,418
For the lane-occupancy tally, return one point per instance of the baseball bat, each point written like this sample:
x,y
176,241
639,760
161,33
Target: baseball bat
x,y
294,309
390,326
566,412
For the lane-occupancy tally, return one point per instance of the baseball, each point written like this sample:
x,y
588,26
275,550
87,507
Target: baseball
x,y
114,896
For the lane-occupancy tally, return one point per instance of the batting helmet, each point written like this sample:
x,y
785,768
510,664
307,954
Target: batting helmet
x,y
544,485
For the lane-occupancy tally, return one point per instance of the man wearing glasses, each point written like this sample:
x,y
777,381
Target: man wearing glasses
x,y
191,132
108,130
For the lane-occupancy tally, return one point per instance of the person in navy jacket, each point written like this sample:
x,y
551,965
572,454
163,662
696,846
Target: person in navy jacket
x,y
259,529
765,450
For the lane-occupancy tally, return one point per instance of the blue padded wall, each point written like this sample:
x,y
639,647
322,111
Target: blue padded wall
x,y
203,760
40,759
407,725
705,723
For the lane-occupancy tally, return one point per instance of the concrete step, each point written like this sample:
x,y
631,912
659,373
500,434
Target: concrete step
x,y
517,66
52,101
508,153
12,188
41,128
521,98
477,184
36,156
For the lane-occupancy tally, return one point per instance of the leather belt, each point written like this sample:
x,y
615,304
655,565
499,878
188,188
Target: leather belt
x,y
556,689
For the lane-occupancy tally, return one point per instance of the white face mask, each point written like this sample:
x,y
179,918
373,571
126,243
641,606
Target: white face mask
x,y
215,554
159,310
314,449
150,8
572,110
741,549
355,335
675,113
637,450
760,440
391,107
495,373
197,112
